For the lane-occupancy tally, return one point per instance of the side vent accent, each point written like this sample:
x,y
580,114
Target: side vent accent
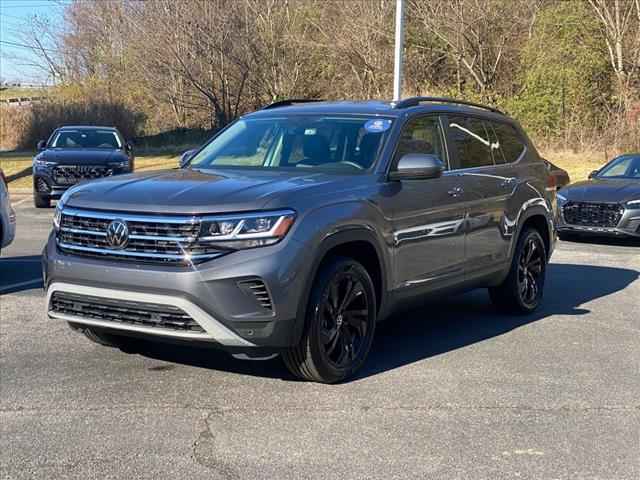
x,y
259,290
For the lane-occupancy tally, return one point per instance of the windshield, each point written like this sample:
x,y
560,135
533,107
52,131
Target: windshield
x,y
621,167
345,144
88,138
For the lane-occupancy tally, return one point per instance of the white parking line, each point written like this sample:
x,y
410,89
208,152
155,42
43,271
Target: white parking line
x,y
20,284
19,202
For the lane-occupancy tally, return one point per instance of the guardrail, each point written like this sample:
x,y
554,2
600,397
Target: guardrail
x,y
22,100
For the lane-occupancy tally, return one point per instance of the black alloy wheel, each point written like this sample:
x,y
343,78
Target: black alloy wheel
x,y
340,324
530,269
521,291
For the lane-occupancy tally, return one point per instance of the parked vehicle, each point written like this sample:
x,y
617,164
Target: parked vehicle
x,y
7,215
78,153
298,227
560,175
608,203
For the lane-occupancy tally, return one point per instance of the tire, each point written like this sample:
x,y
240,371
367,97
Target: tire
x,y
41,202
522,290
319,357
127,345
566,237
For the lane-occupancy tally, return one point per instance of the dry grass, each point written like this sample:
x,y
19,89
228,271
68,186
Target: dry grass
x,y
579,165
15,162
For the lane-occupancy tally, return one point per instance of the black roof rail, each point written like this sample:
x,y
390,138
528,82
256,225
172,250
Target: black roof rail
x,y
289,102
415,101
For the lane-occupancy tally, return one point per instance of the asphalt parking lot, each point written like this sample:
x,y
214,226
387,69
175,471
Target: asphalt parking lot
x,y
453,390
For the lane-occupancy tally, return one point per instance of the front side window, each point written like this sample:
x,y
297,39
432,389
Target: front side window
x,y
471,142
622,167
421,135
345,144
88,138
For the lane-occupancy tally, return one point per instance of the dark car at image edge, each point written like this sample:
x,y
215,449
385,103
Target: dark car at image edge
x,y
300,226
607,204
74,154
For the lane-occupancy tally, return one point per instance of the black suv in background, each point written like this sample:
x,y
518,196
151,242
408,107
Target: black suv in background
x,y
74,154
299,227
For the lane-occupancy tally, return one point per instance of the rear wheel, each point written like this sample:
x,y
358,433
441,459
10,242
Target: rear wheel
x,y
521,291
41,202
566,236
340,324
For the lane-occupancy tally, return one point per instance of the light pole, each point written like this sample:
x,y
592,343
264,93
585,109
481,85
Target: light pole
x,y
397,66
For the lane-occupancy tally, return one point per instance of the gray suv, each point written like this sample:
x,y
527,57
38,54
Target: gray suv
x,y
300,226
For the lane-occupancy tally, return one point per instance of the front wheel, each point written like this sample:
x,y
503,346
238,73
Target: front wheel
x,y
521,291
41,202
340,324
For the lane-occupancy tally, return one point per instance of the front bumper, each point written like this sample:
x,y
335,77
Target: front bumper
x,y
211,293
45,185
628,226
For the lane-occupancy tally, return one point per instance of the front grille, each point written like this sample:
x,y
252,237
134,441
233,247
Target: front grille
x,y
606,215
152,239
72,174
123,312
42,186
258,289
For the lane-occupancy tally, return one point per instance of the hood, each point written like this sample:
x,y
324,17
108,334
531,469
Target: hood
x,y
603,190
190,191
82,156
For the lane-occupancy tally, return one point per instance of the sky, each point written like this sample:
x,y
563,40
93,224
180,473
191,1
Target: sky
x,y
14,14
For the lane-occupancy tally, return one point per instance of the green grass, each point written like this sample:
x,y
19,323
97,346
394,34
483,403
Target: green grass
x,y
15,162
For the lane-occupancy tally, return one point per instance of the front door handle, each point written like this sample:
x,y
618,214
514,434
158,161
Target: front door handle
x,y
456,191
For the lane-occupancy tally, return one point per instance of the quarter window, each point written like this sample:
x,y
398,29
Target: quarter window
x,y
509,141
471,142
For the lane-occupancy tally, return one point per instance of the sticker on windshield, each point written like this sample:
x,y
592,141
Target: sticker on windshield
x,y
377,126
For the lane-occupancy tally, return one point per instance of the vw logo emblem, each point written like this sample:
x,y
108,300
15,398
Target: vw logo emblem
x,y
117,234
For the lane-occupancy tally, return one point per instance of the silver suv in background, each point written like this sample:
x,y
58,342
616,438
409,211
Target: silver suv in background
x,y
7,215
300,226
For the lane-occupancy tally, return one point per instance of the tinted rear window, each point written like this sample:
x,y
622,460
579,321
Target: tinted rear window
x,y
509,140
471,142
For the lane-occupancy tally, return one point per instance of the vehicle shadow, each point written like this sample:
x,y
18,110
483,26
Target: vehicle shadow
x,y
438,327
20,273
604,240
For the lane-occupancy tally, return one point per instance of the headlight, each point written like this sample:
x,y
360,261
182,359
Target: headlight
x,y
246,231
124,164
57,215
633,204
561,198
42,163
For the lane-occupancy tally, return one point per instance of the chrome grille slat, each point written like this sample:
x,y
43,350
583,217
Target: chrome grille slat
x,y
150,239
260,292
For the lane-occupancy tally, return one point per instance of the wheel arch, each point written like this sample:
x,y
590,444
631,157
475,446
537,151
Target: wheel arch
x,y
359,243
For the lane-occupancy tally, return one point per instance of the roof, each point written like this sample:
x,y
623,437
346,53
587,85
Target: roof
x,y
85,127
369,107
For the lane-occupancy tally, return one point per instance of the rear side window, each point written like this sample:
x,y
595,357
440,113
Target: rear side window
x,y
509,142
471,142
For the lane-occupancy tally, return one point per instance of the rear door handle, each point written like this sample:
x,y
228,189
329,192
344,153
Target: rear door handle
x,y
456,191
508,182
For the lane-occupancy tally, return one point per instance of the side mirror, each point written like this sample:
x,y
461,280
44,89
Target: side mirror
x,y
593,174
186,156
41,145
128,147
417,166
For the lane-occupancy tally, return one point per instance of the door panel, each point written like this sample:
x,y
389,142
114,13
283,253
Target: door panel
x,y
428,215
